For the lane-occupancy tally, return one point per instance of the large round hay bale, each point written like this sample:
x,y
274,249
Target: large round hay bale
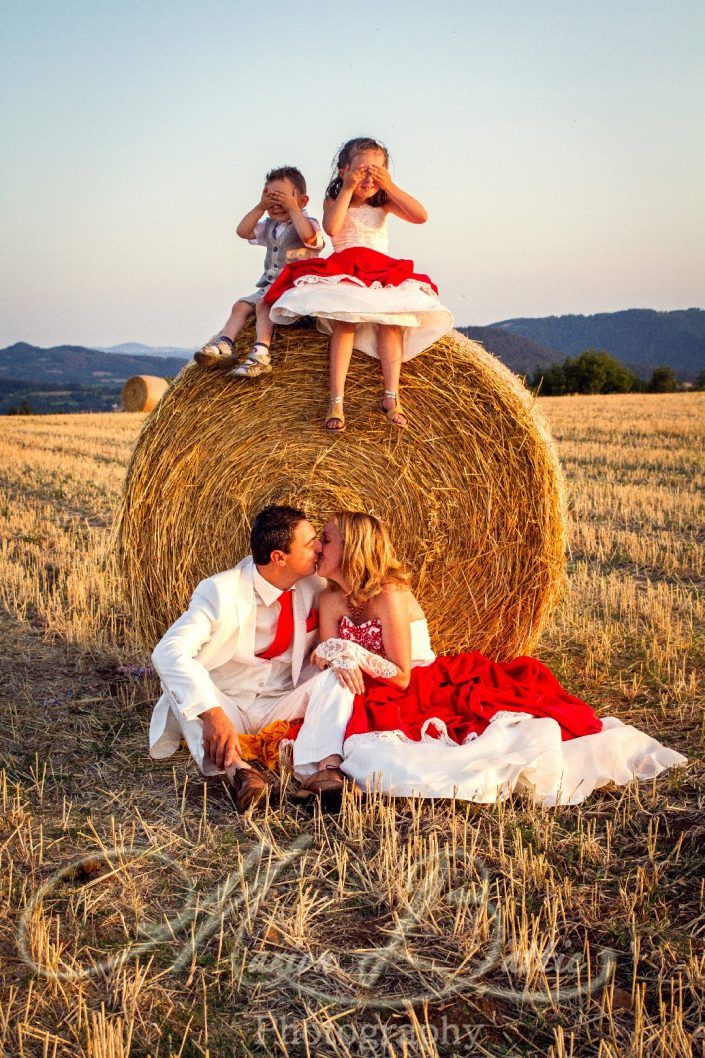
x,y
472,492
143,392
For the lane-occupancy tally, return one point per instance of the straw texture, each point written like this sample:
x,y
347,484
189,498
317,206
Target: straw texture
x,y
472,492
143,392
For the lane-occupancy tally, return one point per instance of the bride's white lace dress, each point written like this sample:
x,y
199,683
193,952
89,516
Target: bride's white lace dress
x,y
516,751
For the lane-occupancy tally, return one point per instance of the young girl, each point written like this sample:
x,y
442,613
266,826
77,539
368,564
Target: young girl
x,y
359,295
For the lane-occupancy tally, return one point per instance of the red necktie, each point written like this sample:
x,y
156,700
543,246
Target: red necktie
x,y
285,629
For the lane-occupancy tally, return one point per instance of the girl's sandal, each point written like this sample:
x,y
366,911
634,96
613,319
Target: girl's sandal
x,y
395,412
334,416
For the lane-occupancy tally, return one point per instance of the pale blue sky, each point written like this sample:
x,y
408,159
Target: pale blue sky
x,y
559,148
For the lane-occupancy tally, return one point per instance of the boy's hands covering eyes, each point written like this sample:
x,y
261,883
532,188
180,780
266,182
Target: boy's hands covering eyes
x,y
285,198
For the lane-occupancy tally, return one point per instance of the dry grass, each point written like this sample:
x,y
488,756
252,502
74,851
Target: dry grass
x,y
509,903
471,492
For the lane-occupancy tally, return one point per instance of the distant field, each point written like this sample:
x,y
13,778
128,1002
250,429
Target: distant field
x,y
623,873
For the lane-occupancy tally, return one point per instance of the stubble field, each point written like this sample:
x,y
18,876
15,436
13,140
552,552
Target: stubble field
x,y
140,916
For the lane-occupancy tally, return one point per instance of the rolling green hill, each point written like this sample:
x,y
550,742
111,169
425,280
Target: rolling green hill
x,y
79,366
642,338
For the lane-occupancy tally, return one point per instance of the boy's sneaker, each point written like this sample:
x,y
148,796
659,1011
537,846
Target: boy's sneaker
x,y
258,363
214,351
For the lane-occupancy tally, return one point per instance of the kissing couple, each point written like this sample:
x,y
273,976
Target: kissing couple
x,y
325,632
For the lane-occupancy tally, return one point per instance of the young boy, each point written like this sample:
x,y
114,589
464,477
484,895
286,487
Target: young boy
x,y
289,235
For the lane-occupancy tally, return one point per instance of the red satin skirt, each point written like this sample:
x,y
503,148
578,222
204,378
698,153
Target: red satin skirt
x,y
363,266
464,692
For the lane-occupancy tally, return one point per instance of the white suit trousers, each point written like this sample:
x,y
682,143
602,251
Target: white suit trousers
x,y
324,704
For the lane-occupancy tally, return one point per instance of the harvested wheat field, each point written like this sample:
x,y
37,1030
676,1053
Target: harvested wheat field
x,y
141,916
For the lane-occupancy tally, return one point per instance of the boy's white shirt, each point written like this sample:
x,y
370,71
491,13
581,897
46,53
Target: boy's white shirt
x,y
258,235
219,627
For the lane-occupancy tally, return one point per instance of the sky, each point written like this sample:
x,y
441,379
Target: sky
x,y
558,146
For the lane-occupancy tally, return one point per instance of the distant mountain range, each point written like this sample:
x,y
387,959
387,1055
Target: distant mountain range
x,y
641,338
137,349
70,378
75,364
74,378
520,354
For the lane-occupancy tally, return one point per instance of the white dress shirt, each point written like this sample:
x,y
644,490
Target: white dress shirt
x,y
276,673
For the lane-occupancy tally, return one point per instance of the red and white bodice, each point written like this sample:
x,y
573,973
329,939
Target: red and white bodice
x,y
367,635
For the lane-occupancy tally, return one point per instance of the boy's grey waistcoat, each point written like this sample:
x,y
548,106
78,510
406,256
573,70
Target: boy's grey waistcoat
x,y
281,251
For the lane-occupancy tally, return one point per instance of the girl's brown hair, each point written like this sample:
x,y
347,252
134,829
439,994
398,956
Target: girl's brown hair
x,y
345,156
369,560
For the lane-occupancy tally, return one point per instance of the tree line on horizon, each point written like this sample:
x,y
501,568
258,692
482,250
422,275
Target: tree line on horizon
x,y
595,371
591,372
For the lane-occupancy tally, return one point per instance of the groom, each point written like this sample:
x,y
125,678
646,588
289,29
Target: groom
x,y
239,659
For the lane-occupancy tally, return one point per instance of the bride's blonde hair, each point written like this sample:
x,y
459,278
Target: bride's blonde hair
x,y
369,561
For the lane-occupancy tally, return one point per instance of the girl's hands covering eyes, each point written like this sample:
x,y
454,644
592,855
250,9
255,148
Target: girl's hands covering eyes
x,y
381,176
353,177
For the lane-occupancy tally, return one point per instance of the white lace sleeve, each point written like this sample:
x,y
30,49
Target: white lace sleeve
x,y
343,654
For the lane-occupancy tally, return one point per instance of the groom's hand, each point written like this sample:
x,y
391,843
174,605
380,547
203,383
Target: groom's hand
x,y
220,739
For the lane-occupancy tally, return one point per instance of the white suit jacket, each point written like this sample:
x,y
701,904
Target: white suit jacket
x,y
219,627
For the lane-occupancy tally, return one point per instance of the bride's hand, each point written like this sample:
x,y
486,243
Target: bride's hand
x,y
351,678
318,662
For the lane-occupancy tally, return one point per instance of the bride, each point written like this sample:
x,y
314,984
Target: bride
x,y
459,725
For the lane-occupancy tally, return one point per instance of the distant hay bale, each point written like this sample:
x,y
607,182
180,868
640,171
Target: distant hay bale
x,y
143,392
472,492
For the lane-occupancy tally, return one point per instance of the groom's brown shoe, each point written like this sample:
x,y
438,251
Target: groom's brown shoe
x,y
327,785
248,786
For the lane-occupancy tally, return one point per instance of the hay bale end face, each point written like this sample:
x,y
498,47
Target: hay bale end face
x,y
143,392
472,492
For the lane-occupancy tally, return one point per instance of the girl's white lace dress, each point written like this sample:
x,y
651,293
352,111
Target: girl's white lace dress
x,y
359,284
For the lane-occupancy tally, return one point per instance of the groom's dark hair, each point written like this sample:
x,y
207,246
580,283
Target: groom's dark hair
x,y
273,530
